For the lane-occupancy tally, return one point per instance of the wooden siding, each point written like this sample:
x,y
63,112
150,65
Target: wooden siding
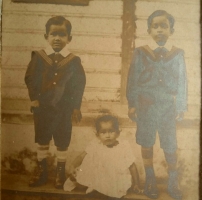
x,y
186,37
97,40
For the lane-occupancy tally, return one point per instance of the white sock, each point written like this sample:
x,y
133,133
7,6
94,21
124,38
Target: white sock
x,y
42,152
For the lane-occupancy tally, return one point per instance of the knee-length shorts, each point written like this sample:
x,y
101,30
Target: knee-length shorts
x,y
157,118
50,123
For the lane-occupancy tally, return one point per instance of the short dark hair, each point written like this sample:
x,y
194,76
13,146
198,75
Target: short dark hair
x,y
157,13
58,20
107,118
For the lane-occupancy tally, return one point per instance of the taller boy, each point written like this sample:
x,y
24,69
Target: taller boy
x,y
55,80
157,96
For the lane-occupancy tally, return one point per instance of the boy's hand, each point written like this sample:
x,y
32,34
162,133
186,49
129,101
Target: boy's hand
x,y
180,116
35,103
76,115
132,114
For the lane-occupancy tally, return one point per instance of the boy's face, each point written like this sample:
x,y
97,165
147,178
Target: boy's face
x,y
107,134
160,30
57,37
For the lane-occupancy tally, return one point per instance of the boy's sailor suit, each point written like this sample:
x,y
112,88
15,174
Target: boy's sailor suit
x,y
157,88
57,81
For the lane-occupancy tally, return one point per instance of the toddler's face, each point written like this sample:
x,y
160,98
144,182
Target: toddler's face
x,y
160,30
57,37
107,134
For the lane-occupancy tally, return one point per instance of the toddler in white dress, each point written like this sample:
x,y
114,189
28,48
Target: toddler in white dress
x,y
107,165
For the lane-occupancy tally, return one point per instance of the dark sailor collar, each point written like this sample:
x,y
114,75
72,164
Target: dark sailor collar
x,y
49,61
169,55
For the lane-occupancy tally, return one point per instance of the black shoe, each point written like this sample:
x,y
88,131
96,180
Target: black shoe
x,y
40,176
173,189
150,189
60,175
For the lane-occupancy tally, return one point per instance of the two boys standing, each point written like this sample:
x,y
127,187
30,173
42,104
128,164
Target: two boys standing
x,y
156,91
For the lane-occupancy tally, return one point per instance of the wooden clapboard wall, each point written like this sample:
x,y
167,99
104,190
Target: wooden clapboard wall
x,y
97,39
96,32
186,36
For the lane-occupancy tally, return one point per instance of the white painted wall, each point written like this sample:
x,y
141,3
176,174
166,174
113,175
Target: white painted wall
x,y
97,40
186,37
96,34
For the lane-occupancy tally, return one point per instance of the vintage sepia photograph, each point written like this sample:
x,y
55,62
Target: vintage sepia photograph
x,y
100,99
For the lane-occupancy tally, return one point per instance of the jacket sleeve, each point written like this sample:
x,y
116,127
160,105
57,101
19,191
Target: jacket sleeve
x,y
78,84
32,78
132,89
181,97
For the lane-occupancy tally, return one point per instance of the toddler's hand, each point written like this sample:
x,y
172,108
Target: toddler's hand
x,y
132,114
76,115
137,190
180,116
35,103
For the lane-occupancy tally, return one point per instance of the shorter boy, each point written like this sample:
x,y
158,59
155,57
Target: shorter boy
x,y
55,80
157,93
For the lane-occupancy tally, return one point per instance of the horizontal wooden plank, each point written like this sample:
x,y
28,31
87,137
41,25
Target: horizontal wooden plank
x,y
95,8
93,64
174,1
194,99
15,78
13,184
90,94
93,26
65,2
73,50
97,63
87,107
191,48
193,67
191,139
89,120
177,9
85,43
179,32
107,68
19,59
23,105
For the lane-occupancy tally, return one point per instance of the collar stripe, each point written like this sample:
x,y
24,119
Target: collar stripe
x,y
66,60
174,51
45,57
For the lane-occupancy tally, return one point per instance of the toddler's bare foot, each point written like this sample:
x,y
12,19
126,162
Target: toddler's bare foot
x,y
137,190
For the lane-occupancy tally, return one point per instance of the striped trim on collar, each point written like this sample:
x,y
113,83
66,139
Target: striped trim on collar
x,y
50,62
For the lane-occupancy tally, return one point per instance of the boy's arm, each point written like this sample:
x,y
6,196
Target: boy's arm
x,y
31,80
79,82
132,86
181,97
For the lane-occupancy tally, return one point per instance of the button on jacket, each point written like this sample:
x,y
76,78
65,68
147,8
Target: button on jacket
x,y
55,84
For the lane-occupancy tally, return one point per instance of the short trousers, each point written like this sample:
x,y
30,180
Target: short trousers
x,y
158,117
52,124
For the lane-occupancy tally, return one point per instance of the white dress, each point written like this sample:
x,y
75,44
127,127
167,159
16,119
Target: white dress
x,y
107,169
